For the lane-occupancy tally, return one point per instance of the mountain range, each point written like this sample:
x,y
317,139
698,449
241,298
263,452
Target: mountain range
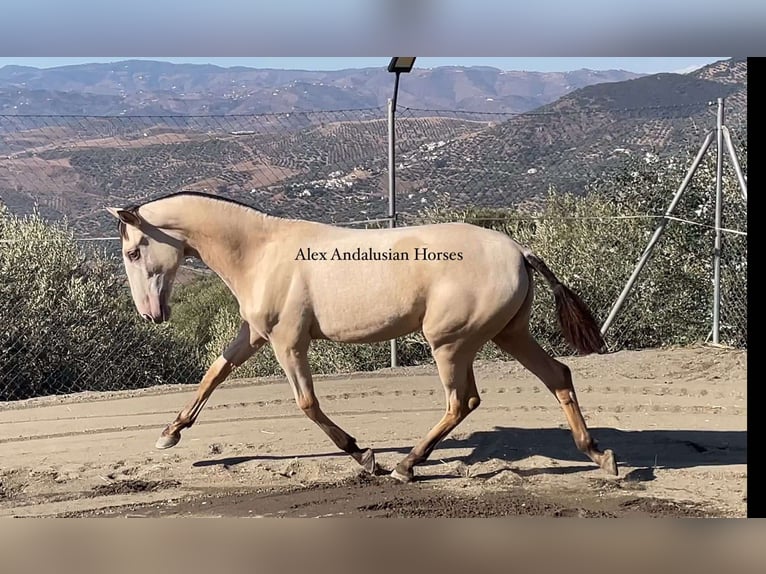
x,y
134,87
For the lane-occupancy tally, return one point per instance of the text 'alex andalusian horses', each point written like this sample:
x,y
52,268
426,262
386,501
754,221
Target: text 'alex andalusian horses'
x,y
296,281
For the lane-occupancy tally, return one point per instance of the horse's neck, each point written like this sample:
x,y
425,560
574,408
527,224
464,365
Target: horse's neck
x,y
226,238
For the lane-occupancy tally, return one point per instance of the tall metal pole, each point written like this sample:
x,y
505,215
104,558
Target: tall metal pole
x,y
718,210
392,183
657,233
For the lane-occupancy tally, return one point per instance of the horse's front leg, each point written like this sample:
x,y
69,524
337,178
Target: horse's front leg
x,y
293,357
241,349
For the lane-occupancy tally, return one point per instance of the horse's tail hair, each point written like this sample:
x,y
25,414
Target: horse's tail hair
x,y
575,319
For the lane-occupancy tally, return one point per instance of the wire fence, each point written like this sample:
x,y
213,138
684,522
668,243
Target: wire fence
x,y
66,320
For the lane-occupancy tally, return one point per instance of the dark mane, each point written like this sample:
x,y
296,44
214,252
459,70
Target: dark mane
x,y
134,208
200,194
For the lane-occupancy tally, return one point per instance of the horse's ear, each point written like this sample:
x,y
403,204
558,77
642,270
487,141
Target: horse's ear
x,y
127,217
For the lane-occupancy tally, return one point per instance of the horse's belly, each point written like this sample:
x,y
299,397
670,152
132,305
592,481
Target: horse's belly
x,y
359,310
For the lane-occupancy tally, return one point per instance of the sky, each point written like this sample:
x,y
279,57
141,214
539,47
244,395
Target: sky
x,y
329,28
645,65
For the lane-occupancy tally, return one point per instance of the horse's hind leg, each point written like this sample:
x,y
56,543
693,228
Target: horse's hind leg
x,y
558,378
456,374
295,363
235,354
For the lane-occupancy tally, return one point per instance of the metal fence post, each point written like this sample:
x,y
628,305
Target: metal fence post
x,y
718,210
392,192
735,162
657,234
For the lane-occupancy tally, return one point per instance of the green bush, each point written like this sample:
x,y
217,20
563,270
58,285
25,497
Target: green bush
x,y
195,305
67,322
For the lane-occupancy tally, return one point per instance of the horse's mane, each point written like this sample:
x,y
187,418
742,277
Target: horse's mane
x,y
200,194
135,207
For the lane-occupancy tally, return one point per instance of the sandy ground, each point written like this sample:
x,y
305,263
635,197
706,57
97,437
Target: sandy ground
x,y
676,419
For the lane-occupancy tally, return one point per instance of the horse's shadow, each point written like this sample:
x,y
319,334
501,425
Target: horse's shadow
x,y
643,450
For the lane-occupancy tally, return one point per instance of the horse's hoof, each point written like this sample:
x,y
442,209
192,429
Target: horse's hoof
x,y
367,461
403,478
167,440
608,463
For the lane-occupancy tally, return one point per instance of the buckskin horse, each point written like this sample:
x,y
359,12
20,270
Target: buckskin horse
x,y
291,288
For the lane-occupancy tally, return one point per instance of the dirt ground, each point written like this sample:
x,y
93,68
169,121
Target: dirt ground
x,y
676,419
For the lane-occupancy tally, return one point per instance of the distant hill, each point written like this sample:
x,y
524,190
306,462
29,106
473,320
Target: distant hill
x,y
147,87
331,166
567,142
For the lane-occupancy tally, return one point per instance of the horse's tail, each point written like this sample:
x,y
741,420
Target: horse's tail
x,y
575,319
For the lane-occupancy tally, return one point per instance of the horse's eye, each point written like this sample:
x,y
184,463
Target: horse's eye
x,y
133,255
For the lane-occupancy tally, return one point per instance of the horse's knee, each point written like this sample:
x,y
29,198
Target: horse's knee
x,y
473,403
309,405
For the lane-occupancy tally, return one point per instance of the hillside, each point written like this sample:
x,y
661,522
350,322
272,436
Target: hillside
x,y
331,166
568,142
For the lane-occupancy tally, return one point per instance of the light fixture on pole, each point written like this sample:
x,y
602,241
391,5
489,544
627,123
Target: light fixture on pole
x,y
399,66
396,66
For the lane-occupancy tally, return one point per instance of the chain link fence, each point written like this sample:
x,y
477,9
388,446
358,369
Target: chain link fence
x,y
67,323
325,166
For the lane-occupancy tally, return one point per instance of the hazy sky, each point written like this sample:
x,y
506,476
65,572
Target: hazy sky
x,y
638,64
226,28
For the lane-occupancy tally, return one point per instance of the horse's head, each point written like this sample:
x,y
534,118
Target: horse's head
x,y
152,256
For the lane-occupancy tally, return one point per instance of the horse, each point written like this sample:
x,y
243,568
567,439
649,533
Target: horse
x,y
297,280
